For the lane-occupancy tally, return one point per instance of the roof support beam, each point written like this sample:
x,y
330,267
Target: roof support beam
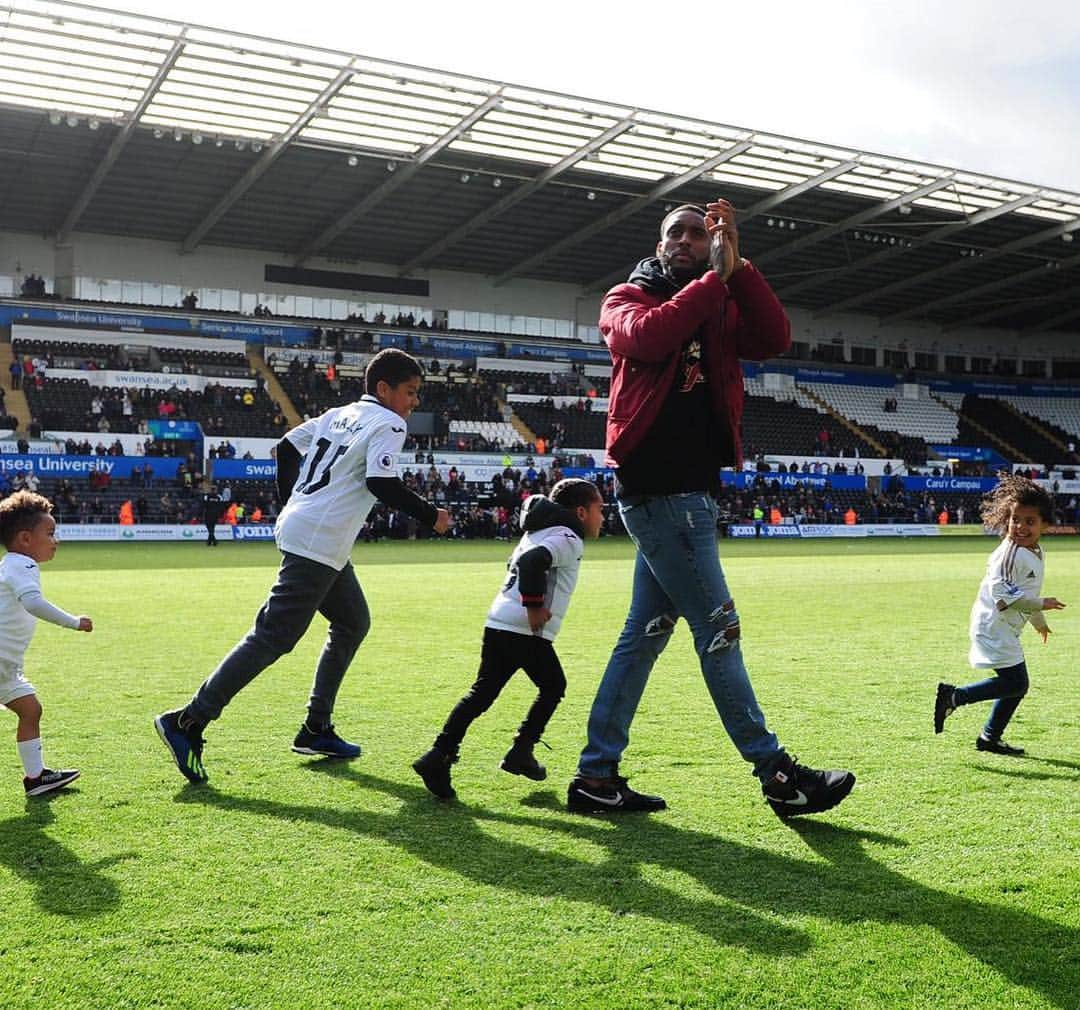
x,y
119,142
1007,308
1049,324
627,210
402,175
767,204
937,235
821,234
275,149
516,195
782,196
1017,245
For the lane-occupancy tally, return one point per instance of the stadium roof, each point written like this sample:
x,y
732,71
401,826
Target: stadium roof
x,y
130,125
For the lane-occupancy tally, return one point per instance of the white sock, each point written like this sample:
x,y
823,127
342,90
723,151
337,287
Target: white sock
x,y
30,754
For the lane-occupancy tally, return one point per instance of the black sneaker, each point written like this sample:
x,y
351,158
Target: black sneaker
x,y
434,768
988,743
796,789
185,743
519,760
49,780
613,796
324,742
943,706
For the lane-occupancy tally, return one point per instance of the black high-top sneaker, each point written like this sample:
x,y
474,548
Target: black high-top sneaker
x,y
796,789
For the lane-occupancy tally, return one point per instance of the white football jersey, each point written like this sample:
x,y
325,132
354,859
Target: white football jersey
x,y
566,549
19,576
1012,573
342,448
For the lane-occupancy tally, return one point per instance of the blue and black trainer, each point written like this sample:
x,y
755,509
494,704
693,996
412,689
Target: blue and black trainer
x,y
324,742
185,743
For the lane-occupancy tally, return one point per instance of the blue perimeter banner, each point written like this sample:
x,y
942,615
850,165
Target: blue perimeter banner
x,y
460,347
244,469
819,481
55,465
951,485
998,388
267,470
833,375
744,479
259,333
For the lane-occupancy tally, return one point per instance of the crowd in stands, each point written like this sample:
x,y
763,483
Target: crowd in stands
x,y
32,286
454,391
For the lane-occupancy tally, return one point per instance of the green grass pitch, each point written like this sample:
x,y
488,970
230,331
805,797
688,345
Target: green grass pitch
x,y
948,879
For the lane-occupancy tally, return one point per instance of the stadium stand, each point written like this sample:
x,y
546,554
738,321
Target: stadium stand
x,y
982,415
920,419
65,404
581,429
791,427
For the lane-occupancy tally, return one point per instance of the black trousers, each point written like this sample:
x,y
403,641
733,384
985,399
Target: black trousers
x,y
502,655
303,588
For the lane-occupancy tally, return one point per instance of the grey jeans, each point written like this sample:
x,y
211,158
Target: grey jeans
x,y
303,588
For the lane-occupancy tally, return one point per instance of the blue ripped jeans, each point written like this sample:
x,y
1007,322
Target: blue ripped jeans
x,y
677,574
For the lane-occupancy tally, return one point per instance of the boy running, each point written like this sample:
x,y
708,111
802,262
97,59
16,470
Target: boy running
x,y
331,469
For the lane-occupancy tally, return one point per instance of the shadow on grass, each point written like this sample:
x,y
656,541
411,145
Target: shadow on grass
x,y
64,885
451,836
1031,776
752,886
1054,762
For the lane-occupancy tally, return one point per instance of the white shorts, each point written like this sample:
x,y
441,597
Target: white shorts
x,y
13,684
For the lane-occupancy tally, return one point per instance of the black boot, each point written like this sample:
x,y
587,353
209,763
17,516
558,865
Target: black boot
x,y
434,768
519,760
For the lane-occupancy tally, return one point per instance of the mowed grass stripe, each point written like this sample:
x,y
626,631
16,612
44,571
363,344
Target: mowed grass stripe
x,y
947,879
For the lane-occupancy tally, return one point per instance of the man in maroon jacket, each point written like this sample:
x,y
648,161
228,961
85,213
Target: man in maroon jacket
x,y
676,332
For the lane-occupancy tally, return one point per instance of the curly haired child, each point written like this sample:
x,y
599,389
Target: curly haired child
x,y
28,531
1009,597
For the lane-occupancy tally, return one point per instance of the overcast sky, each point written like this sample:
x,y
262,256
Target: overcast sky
x,y
989,86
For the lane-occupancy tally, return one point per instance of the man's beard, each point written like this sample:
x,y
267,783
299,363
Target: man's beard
x,y
683,275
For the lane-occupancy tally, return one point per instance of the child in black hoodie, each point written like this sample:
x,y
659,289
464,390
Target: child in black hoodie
x,y
520,628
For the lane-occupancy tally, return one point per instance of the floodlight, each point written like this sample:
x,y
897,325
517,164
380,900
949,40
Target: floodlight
x,y
352,161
